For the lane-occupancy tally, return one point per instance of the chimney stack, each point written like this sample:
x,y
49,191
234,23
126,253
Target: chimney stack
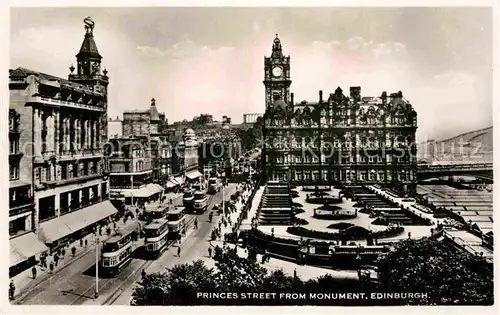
x,y
320,96
291,99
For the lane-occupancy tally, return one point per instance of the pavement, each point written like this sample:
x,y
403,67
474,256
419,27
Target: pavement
x,y
73,280
194,246
26,286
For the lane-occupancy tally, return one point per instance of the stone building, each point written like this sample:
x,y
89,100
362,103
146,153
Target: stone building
x,y
185,157
343,139
131,171
152,125
60,127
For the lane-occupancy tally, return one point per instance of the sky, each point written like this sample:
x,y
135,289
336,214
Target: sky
x,y
211,60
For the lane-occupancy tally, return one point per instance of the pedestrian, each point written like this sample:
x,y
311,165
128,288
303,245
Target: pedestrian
x,y
12,289
51,266
81,242
73,251
295,273
179,251
56,259
86,242
210,252
143,274
33,272
196,223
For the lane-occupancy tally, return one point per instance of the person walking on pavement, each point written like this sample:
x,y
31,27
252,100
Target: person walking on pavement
x,y
179,251
143,274
33,272
56,259
196,223
12,289
210,252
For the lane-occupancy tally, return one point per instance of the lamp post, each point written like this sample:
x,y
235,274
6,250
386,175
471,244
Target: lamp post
x,y
132,190
96,267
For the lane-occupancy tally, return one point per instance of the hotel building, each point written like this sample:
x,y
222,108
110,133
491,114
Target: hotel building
x,y
342,139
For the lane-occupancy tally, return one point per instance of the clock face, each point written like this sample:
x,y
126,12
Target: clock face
x,y
277,71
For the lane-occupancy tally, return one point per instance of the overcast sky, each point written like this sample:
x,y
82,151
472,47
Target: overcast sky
x,y
210,60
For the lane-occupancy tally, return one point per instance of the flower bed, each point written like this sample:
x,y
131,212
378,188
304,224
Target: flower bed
x,y
340,216
340,225
329,207
323,200
352,233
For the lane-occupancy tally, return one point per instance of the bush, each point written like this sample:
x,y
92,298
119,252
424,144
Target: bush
x,y
298,211
300,221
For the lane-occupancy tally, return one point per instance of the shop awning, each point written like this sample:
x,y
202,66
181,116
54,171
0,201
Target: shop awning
x,y
155,188
179,180
194,175
62,226
25,246
171,184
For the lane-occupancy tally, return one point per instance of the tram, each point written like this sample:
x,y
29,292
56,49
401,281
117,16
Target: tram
x,y
156,234
116,251
176,220
187,198
200,202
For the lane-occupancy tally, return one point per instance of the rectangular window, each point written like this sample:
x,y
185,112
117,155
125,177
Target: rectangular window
x,y
14,171
14,146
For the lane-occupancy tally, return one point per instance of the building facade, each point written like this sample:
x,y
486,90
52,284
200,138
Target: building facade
x,y
185,157
131,171
153,126
61,127
343,139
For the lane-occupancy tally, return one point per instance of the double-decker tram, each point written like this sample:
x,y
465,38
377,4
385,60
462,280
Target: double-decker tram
x,y
200,202
156,234
176,220
187,198
116,251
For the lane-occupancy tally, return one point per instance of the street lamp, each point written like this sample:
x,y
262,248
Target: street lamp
x,y
96,267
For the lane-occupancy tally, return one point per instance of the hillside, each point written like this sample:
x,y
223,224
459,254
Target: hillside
x,y
476,146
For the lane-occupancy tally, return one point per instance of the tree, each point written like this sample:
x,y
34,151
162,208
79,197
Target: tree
x,y
449,275
252,137
177,286
237,274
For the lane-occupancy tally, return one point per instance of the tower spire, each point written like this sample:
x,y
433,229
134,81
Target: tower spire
x,y
277,52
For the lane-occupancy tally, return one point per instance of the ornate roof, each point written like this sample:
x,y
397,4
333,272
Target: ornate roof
x,y
153,111
89,47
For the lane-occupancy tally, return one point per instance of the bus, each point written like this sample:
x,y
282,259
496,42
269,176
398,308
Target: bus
x,y
156,234
214,185
116,251
200,202
176,220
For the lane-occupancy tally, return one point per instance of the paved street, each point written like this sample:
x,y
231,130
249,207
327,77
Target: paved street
x,y
75,283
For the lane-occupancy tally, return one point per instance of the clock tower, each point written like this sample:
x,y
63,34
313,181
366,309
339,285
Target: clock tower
x,y
277,76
